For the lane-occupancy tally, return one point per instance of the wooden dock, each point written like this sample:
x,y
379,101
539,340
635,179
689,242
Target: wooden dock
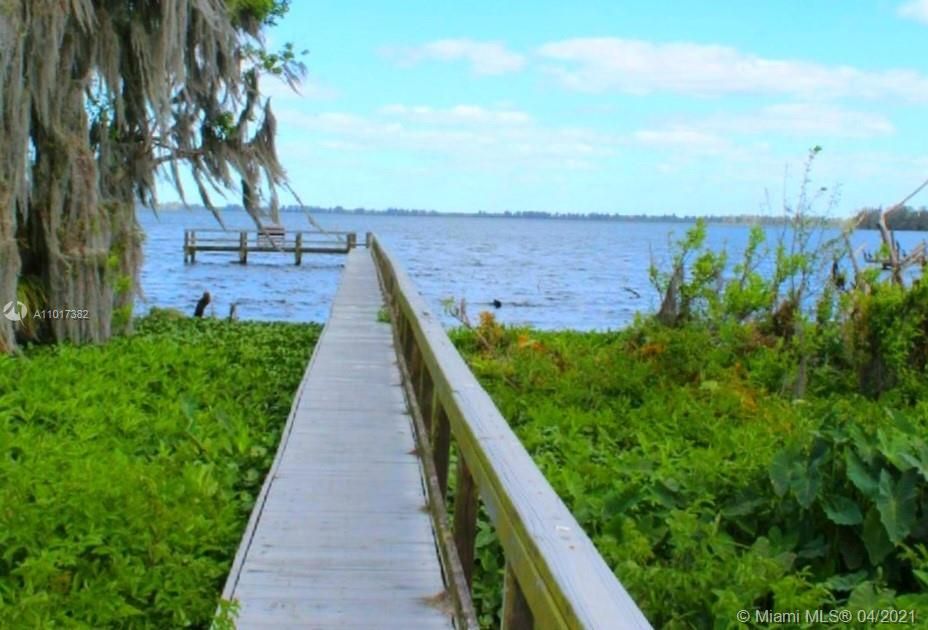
x,y
352,528
267,241
340,536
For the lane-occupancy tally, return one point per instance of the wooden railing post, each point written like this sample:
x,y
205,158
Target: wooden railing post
x,y
465,518
516,613
400,319
409,345
425,396
352,240
441,443
243,247
298,248
368,238
414,358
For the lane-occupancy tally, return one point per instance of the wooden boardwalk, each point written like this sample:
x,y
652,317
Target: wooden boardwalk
x,y
340,536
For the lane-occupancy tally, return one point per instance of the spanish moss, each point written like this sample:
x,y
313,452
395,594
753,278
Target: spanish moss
x,y
100,98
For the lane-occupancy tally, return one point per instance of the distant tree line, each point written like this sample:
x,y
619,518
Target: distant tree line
x,y
906,218
539,214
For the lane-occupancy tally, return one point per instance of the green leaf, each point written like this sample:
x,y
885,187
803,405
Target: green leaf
x,y
895,447
846,582
806,483
922,577
874,536
863,443
896,503
783,469
859,475
617,503
742,508
851,548
865,596
918,460
842,511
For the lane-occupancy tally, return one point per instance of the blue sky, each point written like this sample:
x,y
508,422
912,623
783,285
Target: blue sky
x,y
651,107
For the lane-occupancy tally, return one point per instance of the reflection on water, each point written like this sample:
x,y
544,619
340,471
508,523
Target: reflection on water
x,y
550,273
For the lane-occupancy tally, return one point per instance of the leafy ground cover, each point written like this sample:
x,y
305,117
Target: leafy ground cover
x,y
707,486
128,470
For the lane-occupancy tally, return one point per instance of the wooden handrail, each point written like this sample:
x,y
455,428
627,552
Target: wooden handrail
x,y
555,577
256,230
297,242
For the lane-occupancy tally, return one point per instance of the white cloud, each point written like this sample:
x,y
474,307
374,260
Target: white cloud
x,y
681,137
642,67
491,58
808,120
746,136
459,114
915,10
470,135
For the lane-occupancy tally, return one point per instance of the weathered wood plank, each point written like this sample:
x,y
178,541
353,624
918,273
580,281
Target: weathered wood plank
x,y
441,445
465,519
341,536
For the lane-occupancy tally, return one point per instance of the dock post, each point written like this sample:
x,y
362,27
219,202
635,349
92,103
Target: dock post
x,y
193,246
243,247
368,238
352,240
298,248
186,244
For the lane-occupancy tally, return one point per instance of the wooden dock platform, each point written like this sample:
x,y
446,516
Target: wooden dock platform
x,y
340,536
266,241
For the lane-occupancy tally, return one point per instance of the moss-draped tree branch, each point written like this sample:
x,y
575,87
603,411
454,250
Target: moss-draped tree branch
x,y
98,97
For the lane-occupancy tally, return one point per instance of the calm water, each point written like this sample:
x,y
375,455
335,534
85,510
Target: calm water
x,y
548,273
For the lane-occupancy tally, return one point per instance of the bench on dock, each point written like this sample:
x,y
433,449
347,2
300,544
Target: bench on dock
x,y
272,236
269,239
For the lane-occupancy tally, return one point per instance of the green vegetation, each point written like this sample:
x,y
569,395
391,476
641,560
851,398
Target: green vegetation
x,y
758,444
705,488
129,470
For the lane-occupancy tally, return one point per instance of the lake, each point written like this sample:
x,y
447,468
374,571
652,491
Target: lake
x,y
549,273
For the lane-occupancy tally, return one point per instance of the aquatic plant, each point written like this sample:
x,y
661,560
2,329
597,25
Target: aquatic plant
x,y
129,469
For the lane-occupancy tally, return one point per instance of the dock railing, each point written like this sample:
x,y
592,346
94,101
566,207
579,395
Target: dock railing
x,y
554,576
243,242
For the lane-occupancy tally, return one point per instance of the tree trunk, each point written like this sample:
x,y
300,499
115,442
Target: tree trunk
x,y
67,234
14,129
9,266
